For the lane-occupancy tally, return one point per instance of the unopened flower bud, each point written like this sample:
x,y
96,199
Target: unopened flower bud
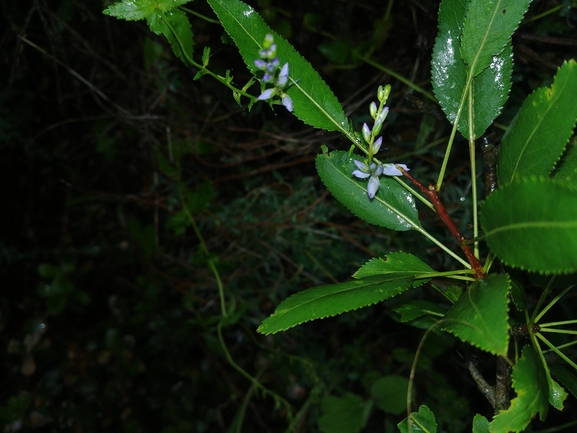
x,y
373,110
383,93
366,133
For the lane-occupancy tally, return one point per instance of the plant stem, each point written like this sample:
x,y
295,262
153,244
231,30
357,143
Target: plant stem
x,y
433,195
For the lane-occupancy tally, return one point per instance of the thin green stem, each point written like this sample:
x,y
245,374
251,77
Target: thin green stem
x,y
252,380
442,246
202,67
565,322
392,73
192,12
551,304
557,351
559,331
204,249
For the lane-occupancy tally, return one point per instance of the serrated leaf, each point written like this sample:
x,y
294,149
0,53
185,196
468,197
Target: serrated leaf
x,y
566,377
480,424
567,167
531,224
393,207
530,384
393,263
134,10
487,29
422,421
314,102
390,394
490,88
175,27
538,134
480,316
330,300
346,414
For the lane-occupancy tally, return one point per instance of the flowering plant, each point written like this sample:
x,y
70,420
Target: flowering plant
x,y
471,78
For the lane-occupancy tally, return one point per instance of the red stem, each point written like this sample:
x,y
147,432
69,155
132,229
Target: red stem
x,y
433,195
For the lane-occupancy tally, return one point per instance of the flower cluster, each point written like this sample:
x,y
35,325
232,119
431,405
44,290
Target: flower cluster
x,y
369,169
269,64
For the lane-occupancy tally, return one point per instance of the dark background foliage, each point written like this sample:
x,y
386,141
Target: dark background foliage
x,y
108,312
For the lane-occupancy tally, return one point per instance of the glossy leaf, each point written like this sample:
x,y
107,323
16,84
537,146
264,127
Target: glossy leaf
x,y
487,29
393,207
480,316
422,421
393,263
530,384
135,10
390,394
566,377
330,300
531,224
537,137
346,414
490,88
162,18
480,424
314,102
557,395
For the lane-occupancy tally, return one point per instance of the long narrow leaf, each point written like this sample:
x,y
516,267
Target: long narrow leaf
x,y
325,301
314,102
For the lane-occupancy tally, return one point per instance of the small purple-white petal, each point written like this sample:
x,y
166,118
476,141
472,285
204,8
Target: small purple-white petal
x,y
361,174
377,145
283,77
391,170
263,54
361,165
268,78
287,102
379,170
366,132
272,65
267,94
373,186
261,64
372,167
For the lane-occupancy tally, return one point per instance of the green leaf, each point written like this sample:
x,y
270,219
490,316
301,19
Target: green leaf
x,y
134,10
490,88
174,25
346,414
480,424
393,263
488,27
393,207
480,316
537,137
421,421
557,395
530,384
332,299
531,224
567,170
314,102
162,18
390,394
566,377
417,308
